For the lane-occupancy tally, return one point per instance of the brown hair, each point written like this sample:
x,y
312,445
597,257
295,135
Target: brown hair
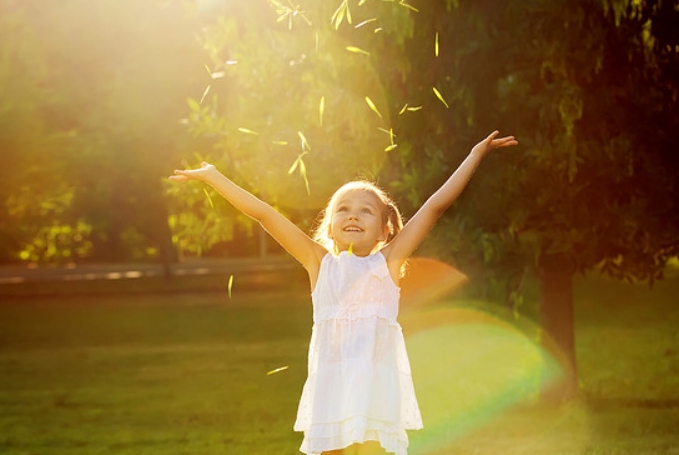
x,y
391,216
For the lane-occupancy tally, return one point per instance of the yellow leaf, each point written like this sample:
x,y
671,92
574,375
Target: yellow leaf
x,y
391,147
436,45
378,29
209,198
361,2
207,68
414,108
403,109
305,144
365,22
411,7
280,142
338,15
372,106
277,370
357,50
302,171
247,131
207,90
439,96
230,285
350,251
321,110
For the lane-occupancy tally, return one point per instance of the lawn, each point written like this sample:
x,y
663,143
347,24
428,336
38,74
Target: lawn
x,y
186,373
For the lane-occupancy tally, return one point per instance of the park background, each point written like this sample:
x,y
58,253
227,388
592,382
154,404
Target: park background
x,y
139,316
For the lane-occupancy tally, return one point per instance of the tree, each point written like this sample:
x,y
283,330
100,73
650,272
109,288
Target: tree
x,y
112,88
584,87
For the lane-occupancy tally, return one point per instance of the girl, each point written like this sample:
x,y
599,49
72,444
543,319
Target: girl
x,y
358,398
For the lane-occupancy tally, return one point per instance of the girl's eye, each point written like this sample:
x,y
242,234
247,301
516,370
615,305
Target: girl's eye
x,y
341,208
368,211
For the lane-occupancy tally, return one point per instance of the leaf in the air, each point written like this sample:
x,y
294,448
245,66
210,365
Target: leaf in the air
x,y
361,2
218,75
440,97
403,109
390,147
277,370
280,142
247,131
365,22
436,45
391,134
372,106
207,90
321,110
209,198
410,7
305,143
230,285
357,50
302,171
338,15
350,251
207,68
414,108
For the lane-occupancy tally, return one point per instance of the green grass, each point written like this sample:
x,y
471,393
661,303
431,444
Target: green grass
x,y
186,373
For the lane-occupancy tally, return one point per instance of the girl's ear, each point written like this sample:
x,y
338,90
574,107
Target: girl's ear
x,y
385,234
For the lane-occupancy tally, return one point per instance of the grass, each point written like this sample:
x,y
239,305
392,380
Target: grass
x,y
186,373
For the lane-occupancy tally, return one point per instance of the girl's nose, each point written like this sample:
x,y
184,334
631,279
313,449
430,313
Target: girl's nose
x,y
353,216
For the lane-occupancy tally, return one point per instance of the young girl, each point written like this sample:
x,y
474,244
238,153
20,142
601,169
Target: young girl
x,y
358,398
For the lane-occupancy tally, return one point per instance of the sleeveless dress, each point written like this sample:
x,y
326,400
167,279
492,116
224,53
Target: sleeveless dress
x,y
359,386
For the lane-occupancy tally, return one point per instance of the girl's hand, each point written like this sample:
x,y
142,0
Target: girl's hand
x,y
202,173
490,143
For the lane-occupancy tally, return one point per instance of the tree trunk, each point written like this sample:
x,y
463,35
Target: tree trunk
x,y
557,321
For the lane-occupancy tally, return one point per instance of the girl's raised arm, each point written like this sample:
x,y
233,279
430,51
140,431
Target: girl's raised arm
x,y
285,232
414,232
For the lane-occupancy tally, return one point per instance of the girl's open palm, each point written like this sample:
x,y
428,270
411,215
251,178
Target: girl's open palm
x,y
202,173
491,143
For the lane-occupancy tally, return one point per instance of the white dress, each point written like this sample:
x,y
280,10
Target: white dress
x,y
359,386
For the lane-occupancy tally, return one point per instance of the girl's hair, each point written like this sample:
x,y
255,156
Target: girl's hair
x,y
391,216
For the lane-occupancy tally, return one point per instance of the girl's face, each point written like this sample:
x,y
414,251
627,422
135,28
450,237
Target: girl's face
x,y
357,222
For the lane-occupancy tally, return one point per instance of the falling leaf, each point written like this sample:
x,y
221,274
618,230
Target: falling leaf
x,y
372,106
207,68
365,22
436,45
209,198
296,163
277,370
218,75
247,131
302,171
231,62
411,7
350,251
414,108
391,134
378,29
439,96
339,14
361,2
207,90
403,109
357,50
321,110
390,147
280,142
230,286
305,144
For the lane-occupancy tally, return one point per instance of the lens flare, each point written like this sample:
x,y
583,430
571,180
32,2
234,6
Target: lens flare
x,y
469,366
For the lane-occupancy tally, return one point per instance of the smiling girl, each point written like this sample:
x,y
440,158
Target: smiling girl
x,y
358,398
